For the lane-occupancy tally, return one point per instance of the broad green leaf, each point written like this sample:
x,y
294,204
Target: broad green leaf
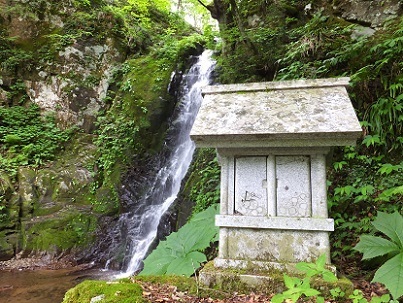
x,y
391,274
174,242
278,298
387,168
328,276
310,292
372,140
317,269
288,281
179,254
157,262
198,239
387,194
371,246
306,267
321,261
367,189
186,265
391,225
384,299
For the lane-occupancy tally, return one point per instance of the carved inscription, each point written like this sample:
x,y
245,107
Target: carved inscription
x,y
250,186
293,186
251,205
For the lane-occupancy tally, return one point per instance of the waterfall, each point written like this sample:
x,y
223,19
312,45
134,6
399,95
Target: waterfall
x,y
141,223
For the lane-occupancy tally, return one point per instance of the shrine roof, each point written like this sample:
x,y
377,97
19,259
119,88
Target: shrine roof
x,y
284,113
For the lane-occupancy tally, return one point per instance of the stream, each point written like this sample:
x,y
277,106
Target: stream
x,y
41,286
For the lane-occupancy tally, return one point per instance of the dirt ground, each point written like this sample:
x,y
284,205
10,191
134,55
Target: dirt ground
x,y
170,294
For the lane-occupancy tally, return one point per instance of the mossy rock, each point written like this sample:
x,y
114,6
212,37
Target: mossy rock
x,y
59,232
264,281
122,291
6,247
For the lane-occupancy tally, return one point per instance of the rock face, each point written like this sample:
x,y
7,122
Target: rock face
x,y
66,72
78,99
369,13
80,63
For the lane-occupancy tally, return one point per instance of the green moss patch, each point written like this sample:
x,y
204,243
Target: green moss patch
x,y
58,233
123,291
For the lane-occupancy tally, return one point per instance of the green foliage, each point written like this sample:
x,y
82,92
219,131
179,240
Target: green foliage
x,y
114,139
312,47
121,291
317,269
60,233
296,289
181,252
27,138
205,180
300,288
391,272
360,185
358,297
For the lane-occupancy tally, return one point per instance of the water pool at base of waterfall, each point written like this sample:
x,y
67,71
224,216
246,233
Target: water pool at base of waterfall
x,y
43,285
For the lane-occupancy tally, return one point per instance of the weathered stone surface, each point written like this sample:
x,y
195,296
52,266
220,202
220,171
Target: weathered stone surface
x,y
272,140
276,246
280,223
293,186
253,278
76,100
370,12
285,113
250,174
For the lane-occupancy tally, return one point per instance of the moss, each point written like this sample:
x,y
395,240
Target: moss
x,y
242,281
6,247
123,291
266,280
106,201
58,233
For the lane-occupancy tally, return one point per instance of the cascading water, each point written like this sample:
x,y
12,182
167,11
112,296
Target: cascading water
x,y
141,223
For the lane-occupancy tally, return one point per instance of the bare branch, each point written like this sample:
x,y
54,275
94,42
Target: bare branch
x,y
205,6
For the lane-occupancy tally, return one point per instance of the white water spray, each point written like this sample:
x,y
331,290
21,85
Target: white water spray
x,y
143,226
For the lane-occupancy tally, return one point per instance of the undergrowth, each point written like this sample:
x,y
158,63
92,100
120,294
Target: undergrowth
x,y
28,139
363,179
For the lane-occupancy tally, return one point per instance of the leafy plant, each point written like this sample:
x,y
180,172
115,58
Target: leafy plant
x,y
182,252
358,297
296,288
27,138
391,272
337,293
317,269
301,287
205,189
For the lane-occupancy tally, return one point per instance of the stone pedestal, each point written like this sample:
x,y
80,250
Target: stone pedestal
x,y
273,206
272,140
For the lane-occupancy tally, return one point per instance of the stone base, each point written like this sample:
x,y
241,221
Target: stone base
x,y
262,266
242,281
252,278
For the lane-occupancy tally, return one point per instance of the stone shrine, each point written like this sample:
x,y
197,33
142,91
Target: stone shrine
x,y
272,140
